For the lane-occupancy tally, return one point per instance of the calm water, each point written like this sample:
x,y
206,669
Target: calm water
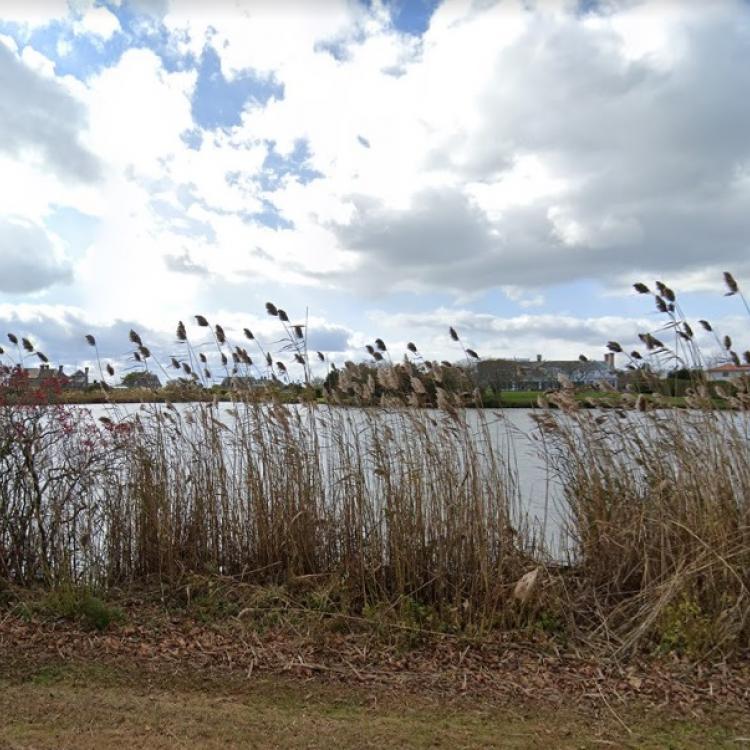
x,y
514,437
511,432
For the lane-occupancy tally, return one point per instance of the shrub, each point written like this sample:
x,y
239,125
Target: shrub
x,y
79,605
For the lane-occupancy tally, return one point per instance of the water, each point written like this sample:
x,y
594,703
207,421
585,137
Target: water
x,y
511,438
511,432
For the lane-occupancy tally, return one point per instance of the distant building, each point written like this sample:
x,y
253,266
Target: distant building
x,y
44,374
542,375
727,372
79,380
141,380
240,382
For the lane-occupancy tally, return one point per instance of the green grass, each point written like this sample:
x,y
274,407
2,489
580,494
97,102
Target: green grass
x,y
530,399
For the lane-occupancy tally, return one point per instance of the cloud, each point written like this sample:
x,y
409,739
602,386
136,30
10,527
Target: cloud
x,y
259,36
419,245
58,331
563,146
524,300
185,264
97,21
330,338
34,13
524,336
514,146
28,260
137,113
40,119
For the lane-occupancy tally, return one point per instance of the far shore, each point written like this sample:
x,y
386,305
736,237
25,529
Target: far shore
x,y
496,400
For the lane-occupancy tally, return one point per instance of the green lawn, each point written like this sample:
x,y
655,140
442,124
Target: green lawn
x,y
530,399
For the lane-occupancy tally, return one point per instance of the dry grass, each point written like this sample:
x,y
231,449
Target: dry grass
x,y
137,710
393,507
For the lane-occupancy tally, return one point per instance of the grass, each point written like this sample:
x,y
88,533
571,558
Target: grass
x,y
530,399
41,707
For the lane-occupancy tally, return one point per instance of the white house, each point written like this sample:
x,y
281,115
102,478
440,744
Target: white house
x,y
727,372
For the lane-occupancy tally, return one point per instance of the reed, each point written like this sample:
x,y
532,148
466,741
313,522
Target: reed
x,y
383,486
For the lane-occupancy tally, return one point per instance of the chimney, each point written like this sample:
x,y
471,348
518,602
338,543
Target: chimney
x,y
609,360
538,357
60,370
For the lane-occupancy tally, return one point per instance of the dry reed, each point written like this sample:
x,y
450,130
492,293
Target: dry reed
x,y
404,501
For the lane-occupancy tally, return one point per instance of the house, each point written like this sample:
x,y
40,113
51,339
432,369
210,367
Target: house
x,y
240,382
48,377
79,380
727,372
141,380
45,374
542,375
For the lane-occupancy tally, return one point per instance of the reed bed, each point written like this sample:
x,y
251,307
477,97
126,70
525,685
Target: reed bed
x,y
382,487
391,504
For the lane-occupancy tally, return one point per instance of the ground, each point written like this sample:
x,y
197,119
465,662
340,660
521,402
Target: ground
x,y
93,706
160,679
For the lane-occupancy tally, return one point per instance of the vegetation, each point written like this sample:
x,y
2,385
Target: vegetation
x,y
129,705
41,707
393,509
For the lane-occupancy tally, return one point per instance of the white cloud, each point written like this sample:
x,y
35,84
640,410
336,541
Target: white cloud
x,y
34,13
520,296
98,21
263,36
9,43
507,148
137,111
525,336
40,121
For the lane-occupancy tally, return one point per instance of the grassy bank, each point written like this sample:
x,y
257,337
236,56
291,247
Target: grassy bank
x,y
201,672
587,398
41,706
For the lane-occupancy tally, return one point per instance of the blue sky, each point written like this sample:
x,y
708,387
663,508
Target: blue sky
x,y
386,168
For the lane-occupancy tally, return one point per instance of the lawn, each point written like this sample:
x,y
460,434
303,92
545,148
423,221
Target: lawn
x,y
95,706
530,399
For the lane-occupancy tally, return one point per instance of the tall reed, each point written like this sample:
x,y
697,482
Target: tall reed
x,y
383,482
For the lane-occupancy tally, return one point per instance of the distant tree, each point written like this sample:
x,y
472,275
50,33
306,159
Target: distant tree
x,y
685,373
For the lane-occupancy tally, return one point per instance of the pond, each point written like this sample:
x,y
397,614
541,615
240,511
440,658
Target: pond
x,y
513,435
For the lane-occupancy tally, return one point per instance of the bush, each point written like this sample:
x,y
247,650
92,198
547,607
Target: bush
x,y
78,605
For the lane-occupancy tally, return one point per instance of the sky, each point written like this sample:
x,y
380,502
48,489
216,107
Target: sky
x,y
375,168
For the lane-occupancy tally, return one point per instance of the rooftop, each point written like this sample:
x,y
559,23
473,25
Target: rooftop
x,y
729,367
